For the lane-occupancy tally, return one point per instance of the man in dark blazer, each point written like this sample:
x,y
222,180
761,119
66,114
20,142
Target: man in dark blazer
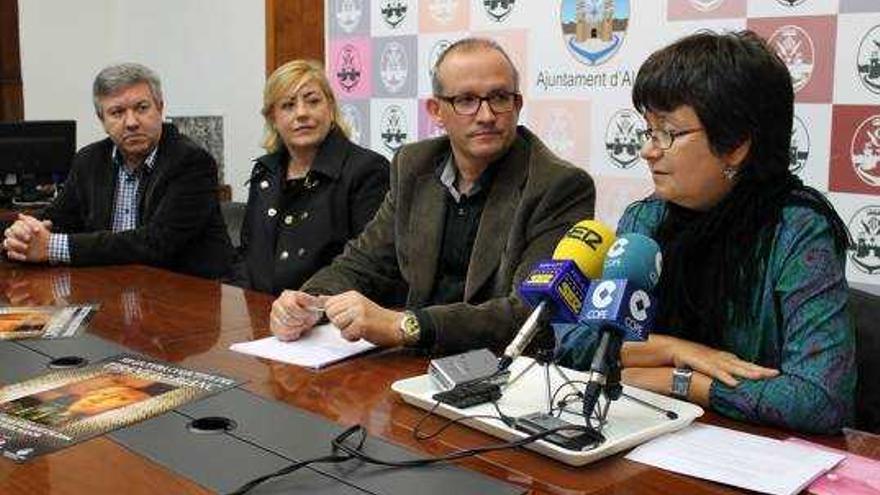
x,y
146,194
466,218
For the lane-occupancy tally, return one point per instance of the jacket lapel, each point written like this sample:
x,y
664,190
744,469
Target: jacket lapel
x,y
150,178
428,219
105,187
498,213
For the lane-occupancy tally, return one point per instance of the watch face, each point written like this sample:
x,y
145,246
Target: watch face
x,y
410,323
410,328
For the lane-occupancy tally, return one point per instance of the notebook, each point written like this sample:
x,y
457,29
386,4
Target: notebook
x,y
320,347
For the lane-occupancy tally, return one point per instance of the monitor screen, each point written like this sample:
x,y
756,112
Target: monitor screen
x,y
38,151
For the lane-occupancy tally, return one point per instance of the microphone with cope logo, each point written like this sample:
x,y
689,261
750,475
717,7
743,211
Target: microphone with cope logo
x,y
621,306
556,288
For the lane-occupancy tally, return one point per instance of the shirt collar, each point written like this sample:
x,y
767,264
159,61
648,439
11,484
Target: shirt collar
x,y
448,173
328,161
147,165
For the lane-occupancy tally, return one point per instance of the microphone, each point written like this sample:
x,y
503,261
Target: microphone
x,y
556,288
634,257
621,305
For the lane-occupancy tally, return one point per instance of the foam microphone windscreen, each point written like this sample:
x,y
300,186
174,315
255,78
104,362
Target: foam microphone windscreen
x,y
636,258
586,244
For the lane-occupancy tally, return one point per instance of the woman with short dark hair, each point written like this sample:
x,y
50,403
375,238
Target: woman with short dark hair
x,y
752,301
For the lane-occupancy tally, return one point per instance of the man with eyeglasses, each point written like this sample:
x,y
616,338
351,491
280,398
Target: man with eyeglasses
x,y
467,216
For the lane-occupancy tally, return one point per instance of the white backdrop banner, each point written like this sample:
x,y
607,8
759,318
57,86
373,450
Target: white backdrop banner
x,y
578,60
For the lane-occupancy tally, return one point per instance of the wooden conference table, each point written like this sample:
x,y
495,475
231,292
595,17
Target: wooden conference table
x,y
192,322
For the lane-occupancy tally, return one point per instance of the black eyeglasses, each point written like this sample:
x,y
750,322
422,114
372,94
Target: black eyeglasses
x,y
468,104
662,138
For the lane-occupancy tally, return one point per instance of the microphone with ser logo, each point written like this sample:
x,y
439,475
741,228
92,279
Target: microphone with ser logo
x,y
556,288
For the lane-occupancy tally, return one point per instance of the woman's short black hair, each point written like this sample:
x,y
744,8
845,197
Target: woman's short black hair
x,y
713,260
738,87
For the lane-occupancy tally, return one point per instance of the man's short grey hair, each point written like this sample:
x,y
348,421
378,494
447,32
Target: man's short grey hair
x,y
467,45
117,77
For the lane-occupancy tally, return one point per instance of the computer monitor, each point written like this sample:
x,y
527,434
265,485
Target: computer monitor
x,y
35,153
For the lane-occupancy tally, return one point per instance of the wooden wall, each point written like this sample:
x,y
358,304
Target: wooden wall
x,y
11,101
294,29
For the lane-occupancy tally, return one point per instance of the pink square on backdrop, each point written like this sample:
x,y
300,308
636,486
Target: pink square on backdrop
x,y
855,159
681,10
350,67
806,44
427,127
564,126
614,194
514,43
444,15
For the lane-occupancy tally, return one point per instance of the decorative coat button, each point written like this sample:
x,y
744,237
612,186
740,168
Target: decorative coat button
x,y
272,212
264,184
284,255
301,252
288,219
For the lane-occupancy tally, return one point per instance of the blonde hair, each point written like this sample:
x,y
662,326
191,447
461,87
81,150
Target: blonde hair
x,y
294,74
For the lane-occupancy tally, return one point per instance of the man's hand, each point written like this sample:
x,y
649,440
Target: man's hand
x,y
293,314
361,318
28,239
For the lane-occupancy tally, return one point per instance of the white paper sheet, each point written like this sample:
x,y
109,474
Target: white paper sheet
x,y
321,346
740,459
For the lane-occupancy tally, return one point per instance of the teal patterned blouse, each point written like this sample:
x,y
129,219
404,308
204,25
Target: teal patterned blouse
x,y
800,325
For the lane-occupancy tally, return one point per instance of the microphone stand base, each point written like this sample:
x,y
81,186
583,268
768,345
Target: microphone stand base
x,y
542,358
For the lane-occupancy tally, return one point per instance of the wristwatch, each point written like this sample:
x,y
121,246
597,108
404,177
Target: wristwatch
x,y
410,329
681,382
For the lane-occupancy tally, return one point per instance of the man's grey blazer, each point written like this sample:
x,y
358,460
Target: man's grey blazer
x,y
533,199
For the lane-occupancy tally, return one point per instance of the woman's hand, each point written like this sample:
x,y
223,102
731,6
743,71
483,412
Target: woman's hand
x,y
721,365
659,380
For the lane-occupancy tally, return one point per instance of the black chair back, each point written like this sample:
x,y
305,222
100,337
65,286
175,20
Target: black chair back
x,y
233,215
865,309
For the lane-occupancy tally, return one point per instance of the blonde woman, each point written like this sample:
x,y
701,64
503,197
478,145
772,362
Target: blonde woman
x,y
314,189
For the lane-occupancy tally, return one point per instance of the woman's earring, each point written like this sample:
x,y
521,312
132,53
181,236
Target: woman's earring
x,y
729,172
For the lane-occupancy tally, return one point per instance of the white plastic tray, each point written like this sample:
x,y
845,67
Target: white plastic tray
x,y
629,423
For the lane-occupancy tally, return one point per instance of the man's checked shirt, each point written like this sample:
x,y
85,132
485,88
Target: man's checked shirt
x,y
125,206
